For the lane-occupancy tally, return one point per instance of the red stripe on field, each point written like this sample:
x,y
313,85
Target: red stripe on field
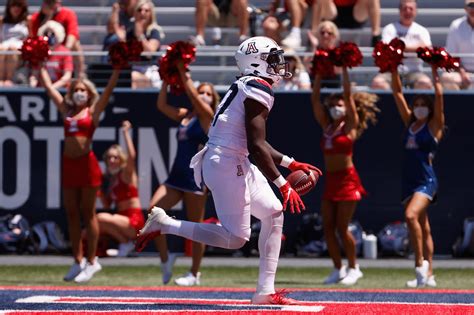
x,y
218,289
114,300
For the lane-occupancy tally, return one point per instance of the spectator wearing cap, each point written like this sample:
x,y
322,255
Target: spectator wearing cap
x,y
13,30
460,40
53,10
59,66
414,36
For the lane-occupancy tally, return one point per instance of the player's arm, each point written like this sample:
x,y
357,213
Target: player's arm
x,y
255,122
290,163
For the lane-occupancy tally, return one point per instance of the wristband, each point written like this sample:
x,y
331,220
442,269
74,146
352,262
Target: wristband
x,y
286,161
279,181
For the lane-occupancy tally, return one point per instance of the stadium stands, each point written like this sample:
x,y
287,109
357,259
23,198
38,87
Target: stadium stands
x,y
177,20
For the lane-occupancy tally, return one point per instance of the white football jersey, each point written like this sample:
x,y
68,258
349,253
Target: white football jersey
x,y
228,126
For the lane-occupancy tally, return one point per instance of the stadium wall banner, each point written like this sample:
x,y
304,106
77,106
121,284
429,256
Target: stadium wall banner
x,y
31,136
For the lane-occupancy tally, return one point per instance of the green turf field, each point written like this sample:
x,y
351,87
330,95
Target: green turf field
x,y
231,277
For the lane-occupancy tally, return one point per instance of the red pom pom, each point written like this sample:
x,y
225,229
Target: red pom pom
x,y
321,64
346,55
118,55
388,56
176,52
135,49
35,50
438,57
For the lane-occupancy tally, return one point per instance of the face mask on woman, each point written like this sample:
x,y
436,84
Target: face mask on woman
x,y
206,98
421,112
337,112
113,170
79,98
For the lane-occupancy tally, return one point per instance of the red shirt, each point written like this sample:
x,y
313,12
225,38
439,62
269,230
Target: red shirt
x,y
344,3
57,65
66,17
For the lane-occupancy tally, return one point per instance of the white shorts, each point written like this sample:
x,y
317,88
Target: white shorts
x,y
239,190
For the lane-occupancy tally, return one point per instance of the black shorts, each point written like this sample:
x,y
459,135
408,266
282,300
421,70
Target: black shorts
x,y
345,18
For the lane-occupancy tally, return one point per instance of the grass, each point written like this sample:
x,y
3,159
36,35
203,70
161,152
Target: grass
x,y
229,277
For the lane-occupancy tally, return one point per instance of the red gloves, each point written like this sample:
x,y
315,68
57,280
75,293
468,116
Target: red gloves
x,y
289,194
294,166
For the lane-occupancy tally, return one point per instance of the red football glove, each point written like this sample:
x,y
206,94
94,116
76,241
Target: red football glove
x,y
289,194
305,167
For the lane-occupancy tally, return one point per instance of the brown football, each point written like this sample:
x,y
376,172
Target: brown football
x,y
302,182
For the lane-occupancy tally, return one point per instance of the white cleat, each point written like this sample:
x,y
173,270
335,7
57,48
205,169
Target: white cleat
x,y
422,274
88,272
167,268
431,282
75,270
151,229
353,274
189,280
336,275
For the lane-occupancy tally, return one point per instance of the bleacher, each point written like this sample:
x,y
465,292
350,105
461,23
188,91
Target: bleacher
x,y
215,63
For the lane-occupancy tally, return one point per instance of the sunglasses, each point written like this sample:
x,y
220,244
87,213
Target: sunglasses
x,y
326,32
470,5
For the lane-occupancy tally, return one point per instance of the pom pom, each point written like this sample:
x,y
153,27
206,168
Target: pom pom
x,y
438,57
118,55
388,56
346,55
179,51
35,50
135,49
321,64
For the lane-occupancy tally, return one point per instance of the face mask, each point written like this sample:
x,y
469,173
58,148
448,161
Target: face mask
x,y
337,112
421,112
206,98
79,98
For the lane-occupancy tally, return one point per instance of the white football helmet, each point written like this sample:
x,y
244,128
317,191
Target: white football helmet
x,y
262,57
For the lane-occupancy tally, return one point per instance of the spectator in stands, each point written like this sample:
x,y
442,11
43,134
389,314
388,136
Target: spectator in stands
x,y
13,30
327,37
59,67
180,185
299,80
220,13
53,10
424,122
120,21
460,41
348,14
149,33
121,189
343,117
81,108
414,35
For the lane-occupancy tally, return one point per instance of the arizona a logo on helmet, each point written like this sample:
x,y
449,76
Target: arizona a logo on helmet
x,y
251,48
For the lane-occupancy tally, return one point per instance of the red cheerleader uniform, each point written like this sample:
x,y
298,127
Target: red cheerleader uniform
x,y
122,191
83,171
343,185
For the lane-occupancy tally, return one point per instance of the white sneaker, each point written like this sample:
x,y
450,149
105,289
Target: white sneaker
x,y
167,268
353,274
125,248
422,274
293,40
151,229
188,280
75,270
197,40
336,275
431,282
88,272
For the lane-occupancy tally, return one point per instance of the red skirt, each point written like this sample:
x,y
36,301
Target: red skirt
x,y
81,172
135,216
344,185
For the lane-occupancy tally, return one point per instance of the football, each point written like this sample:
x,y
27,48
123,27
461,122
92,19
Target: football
x,y
302,182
